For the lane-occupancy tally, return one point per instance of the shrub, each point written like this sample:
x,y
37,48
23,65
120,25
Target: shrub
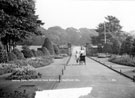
x,y
34,52
56,49
12,56
39,53
45,51
27,52
18,54
48,44
123,60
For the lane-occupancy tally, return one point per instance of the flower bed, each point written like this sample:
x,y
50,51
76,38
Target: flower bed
x,y
24,73
123,60
7,68
34,62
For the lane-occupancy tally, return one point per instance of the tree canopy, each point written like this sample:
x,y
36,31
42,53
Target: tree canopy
x,y
17,21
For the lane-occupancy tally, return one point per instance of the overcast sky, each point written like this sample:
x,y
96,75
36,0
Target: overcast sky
x,y
85,13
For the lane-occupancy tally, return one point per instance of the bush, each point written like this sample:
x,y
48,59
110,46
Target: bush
x,y
45,51
12,56
56,49
27,52
18,53
123,60
64,51
39,53
34,52
48,44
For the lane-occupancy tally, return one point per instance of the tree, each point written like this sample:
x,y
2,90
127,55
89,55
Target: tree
x,y
111,29
115,46
126,46
3,54
17,21
133,48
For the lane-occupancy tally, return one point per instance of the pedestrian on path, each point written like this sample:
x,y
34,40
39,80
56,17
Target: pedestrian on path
x,y
82,56
77,56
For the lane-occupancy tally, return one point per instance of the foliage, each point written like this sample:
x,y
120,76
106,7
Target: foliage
x,y
1,46
45,51
24,74
17,21
12,56
107,48
56,49
27,52
7,68
18,53
111,29
115,46
3,56
48,44
133,48
34,52
40,61
39,53
34,62
123,60
126,46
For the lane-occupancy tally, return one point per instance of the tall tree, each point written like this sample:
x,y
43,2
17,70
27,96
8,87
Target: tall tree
x,y
109,29
17,21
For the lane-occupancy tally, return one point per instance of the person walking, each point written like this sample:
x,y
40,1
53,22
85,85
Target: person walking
x,y
82,56
77,57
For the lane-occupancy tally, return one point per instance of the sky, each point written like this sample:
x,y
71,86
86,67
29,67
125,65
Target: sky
x,y
85,13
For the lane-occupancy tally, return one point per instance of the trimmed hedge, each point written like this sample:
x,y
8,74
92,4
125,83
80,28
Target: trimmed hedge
x,y
27,52
45,51
48,44
18,53
56,49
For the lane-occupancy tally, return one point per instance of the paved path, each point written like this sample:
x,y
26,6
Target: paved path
x,y
104,82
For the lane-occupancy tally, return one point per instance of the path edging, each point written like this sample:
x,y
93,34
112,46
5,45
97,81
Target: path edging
x,y
110,67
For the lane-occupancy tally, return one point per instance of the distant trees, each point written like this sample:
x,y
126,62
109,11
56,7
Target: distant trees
x,y
17,21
